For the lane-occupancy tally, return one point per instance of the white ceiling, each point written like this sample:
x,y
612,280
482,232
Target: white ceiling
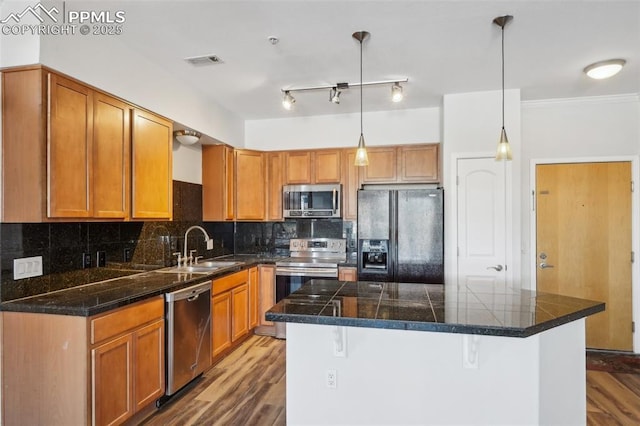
x,y
443,47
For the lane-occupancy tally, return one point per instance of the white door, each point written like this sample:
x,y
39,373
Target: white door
x,y
481,221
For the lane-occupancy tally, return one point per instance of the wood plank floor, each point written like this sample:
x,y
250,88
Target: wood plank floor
x,y
248,388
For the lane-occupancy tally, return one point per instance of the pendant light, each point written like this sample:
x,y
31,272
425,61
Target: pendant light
x,y
504,149
362,159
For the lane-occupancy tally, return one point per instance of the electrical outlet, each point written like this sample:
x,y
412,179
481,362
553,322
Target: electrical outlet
x,y
332,379
127,255
86,260
101,259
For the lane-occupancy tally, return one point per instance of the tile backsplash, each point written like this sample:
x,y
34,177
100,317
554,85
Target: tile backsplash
x,y
149,244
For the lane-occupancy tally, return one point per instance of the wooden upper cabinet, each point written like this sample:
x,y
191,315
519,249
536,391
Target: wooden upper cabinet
x,y
69,148
383,165
111,154
217,183
327,166
298,167
419,163
67,152
350,184
250,185
403,164
275,180
319,166
152,172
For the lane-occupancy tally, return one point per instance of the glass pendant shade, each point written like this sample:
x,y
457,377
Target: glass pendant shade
x,y
504,149
362,159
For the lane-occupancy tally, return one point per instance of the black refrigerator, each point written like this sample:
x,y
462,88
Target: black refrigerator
x,y
401,235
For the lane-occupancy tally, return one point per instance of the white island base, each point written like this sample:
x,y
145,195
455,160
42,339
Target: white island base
x,y
400,377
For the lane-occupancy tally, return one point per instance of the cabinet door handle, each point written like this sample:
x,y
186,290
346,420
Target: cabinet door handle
x,y
497,267
545,266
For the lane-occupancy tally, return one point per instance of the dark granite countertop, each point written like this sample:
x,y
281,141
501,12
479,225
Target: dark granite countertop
x,y
430,307
95,298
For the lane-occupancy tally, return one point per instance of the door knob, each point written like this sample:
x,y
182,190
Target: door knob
x,y
497,267
545,266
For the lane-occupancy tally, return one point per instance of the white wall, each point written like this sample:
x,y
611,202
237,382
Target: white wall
x,y
327,131
108,64
187,163
573,128
18,49
472,123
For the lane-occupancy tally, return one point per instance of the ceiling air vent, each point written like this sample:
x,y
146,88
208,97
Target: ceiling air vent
x,y
199,61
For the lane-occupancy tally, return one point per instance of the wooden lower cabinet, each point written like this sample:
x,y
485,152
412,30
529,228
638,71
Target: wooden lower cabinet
x,y
221,317
112,384
230,310
266,292
347,273
254,284
239,311
71,370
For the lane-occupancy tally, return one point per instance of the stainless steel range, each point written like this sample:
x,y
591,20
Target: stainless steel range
x,y
310,258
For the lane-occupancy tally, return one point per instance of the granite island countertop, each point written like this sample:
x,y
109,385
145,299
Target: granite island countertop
x,y
94,298
480,309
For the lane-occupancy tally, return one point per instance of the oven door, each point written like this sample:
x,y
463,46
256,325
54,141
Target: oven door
x,y
290,278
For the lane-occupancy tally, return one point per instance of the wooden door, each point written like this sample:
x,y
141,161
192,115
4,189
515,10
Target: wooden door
x,y
481,221
250,185
583,225
240,311
266,292
221,322
298,167
111,157
327,166
69,148
419,163
383,166
253,297
148,366
275,180
350,185
112,384
152,171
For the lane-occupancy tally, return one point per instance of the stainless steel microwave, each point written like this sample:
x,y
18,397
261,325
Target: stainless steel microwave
x,y
311,201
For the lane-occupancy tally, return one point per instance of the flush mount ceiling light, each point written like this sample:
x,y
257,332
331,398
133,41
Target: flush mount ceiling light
x,y
362,159
504,149
288,100
396,92
604,69
186,136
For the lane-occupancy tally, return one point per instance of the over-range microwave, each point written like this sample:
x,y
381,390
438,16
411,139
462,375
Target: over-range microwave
x,y
311,201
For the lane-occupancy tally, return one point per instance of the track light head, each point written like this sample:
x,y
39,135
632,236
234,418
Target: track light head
x,y
396,92
288,100
334,95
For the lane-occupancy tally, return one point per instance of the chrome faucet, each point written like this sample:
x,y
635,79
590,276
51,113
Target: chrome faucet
x,y
206,238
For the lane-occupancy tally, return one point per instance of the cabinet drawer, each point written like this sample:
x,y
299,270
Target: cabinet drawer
x,y
117,322
231,281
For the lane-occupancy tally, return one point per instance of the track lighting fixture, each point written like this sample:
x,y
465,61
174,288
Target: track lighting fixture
x,y
396,92
288,100
334,95
504,149
335,90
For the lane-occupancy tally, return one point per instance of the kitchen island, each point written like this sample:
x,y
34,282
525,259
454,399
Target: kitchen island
x,y
391,353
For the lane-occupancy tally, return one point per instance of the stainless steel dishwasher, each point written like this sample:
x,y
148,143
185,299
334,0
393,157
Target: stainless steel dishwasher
x,y
188,334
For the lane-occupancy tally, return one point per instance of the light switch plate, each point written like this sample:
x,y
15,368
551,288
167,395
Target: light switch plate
x,y
27,267
210,244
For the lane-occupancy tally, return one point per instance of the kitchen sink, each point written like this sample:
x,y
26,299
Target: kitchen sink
x,y
205,267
